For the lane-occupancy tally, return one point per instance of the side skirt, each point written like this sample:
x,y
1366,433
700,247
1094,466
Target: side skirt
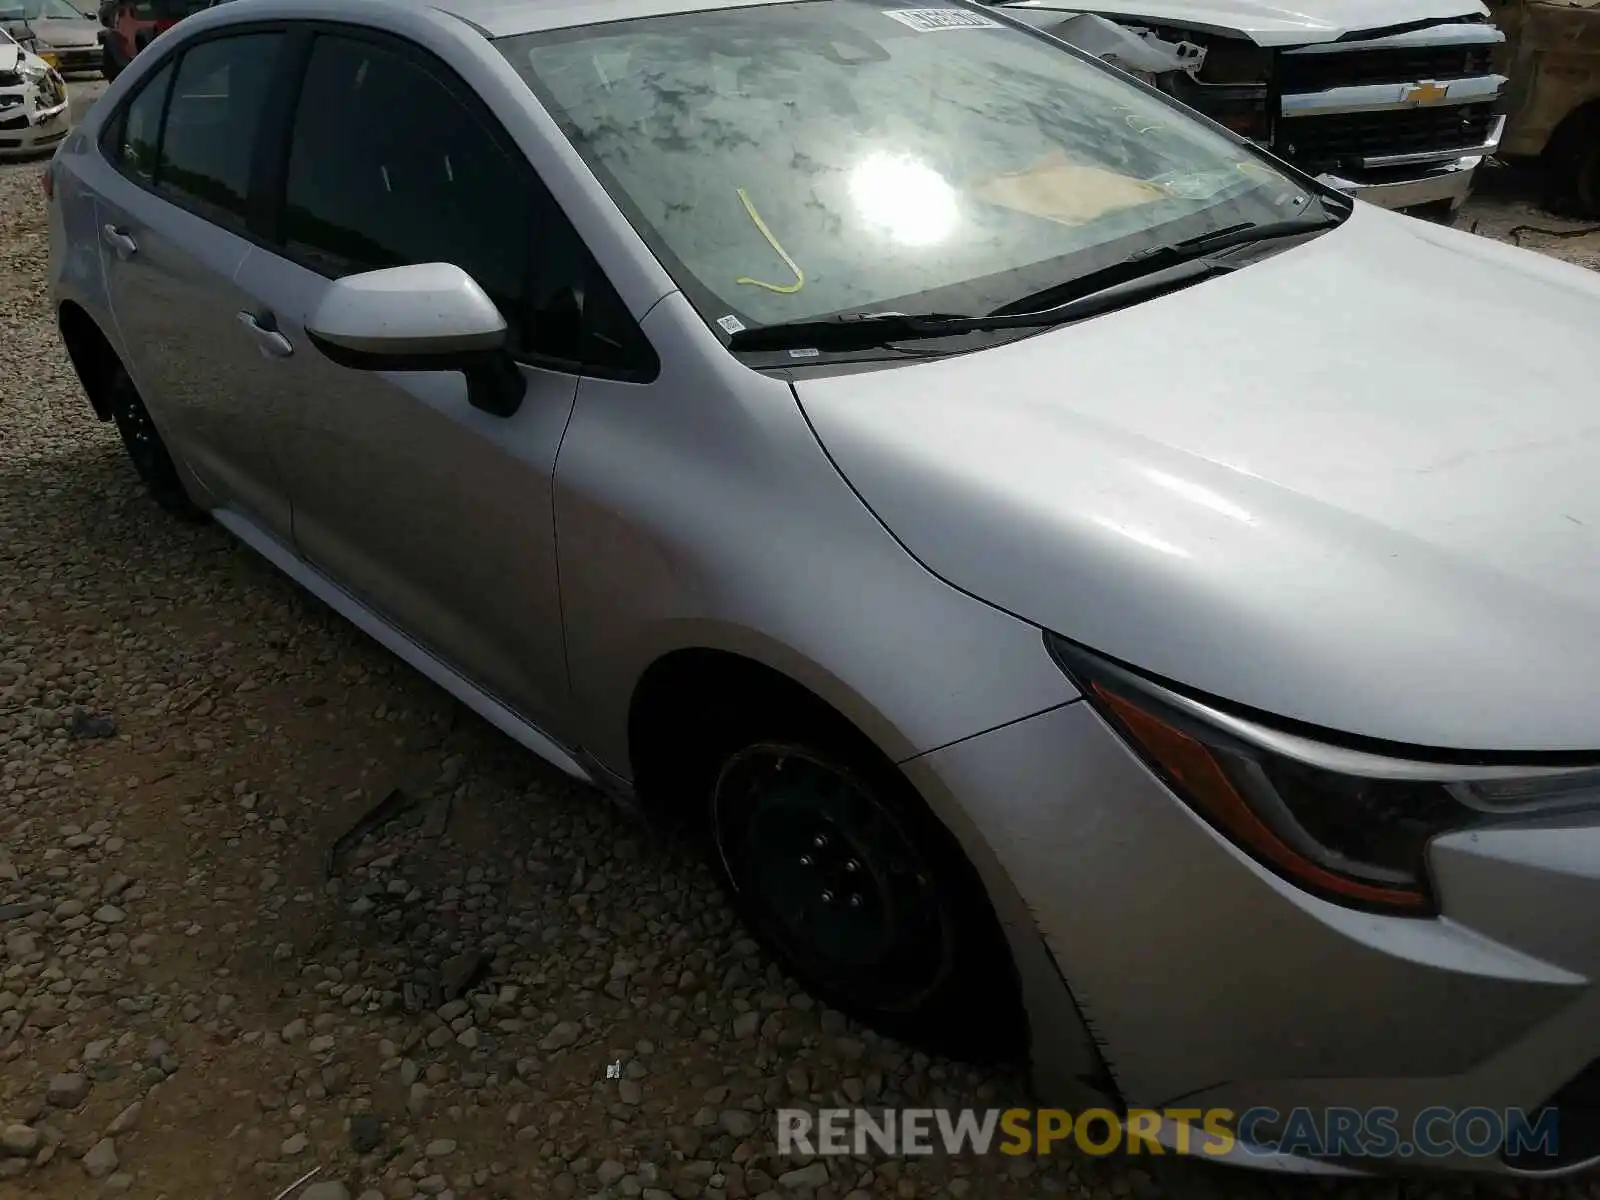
x,y
399,644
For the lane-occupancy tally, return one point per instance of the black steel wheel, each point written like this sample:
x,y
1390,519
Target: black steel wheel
x,y
838,869
146,449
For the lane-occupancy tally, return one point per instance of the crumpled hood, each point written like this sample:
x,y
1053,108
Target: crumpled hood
x,y
1300,22
1356,484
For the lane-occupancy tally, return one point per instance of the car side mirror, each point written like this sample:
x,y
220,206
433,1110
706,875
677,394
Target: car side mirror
x,y
425,317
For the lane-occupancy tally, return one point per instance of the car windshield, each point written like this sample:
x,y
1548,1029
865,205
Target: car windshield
x,y
35,10
797,160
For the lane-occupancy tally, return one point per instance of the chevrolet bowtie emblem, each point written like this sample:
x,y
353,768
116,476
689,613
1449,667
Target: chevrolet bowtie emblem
x,y
1425,93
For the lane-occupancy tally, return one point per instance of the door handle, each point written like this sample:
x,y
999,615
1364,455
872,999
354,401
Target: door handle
x,y
119,241
269,341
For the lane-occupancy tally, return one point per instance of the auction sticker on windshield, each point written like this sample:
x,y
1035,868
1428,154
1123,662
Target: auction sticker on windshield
x,y
931,20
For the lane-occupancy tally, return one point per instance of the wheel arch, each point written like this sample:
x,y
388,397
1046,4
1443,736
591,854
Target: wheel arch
x,y
1572,163
1585,111
674,755
1064,1058
93,357
750,666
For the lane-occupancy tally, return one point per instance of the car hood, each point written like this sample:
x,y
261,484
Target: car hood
x,y
1355,484
10,57
1303,23
66,32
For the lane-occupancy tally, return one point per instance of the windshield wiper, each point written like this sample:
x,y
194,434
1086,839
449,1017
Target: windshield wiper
x,y
1163,257
1244,234
863,331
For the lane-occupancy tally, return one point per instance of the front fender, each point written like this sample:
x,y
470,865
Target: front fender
x,y
700,511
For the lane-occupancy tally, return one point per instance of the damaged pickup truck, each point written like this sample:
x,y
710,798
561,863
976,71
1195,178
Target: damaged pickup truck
x,y
1396,101
1552,54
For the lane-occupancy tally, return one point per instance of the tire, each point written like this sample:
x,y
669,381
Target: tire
x,y
836,866
1572,163
146,449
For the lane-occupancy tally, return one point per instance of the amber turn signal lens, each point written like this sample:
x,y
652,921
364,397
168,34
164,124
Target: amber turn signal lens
x,y
1191,769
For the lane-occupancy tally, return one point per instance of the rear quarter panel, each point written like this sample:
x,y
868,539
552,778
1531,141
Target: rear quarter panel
x,y
76,270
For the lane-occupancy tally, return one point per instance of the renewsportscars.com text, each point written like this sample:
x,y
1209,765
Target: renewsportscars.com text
x,y
1315,1133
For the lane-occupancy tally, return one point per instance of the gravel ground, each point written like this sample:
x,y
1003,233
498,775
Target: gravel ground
x,y
188,1007
1501,210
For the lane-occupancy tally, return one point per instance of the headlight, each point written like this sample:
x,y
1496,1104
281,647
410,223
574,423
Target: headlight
x,y
1231,86
1347,824
1235,61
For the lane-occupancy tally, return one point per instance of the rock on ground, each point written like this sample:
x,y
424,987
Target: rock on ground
x,y
101,1159
18,1141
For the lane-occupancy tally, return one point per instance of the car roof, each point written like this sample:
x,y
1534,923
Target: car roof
x,y
502,18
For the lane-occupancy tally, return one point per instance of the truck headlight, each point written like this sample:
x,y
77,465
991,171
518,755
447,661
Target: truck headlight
x,y
1348,824
1230,86
1235,61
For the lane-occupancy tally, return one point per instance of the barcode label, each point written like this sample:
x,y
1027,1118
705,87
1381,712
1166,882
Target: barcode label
x,y
931,20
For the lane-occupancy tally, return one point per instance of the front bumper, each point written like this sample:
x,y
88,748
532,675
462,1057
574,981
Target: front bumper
x,y
1212,983
1403,183
1449,184
29,125
71,60
1415,181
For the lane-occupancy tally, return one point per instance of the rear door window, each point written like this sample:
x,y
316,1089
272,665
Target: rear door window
x,y
136,139
212,118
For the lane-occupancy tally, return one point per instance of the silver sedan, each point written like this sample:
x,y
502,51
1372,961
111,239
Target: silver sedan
x,y
1099,596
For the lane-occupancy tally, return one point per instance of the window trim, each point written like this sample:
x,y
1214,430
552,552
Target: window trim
x,y
270,163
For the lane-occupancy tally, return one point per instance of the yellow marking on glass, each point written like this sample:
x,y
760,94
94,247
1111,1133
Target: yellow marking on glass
x,y
799,275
